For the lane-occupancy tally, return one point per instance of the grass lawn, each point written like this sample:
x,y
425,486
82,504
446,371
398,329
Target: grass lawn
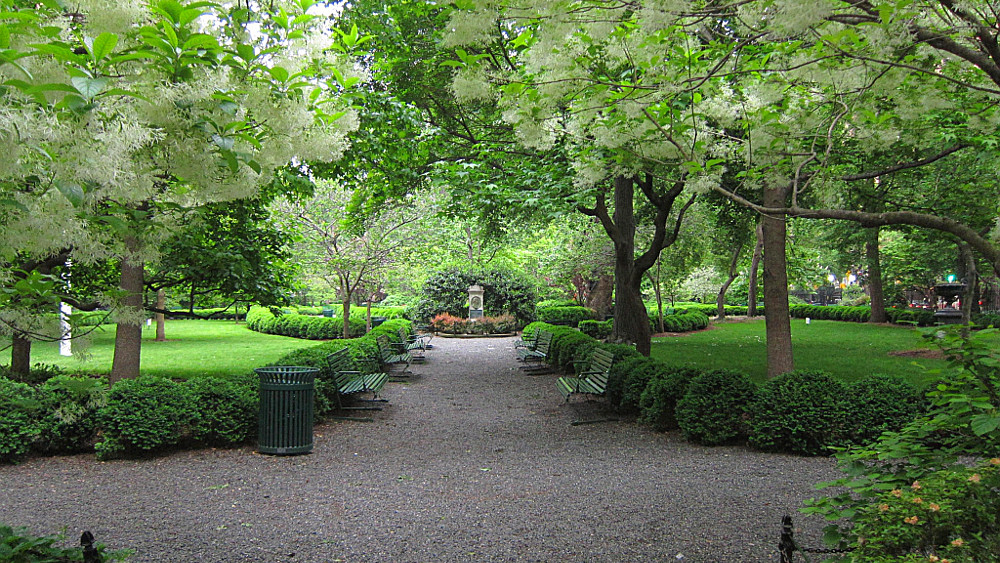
x,y
193,348
847,350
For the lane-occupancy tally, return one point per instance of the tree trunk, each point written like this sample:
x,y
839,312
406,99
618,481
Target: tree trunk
x,y
161,328
347,315
20,355
758,250
600,297
659,296
128,335
631,320
970,277
720,300
875,287
776,314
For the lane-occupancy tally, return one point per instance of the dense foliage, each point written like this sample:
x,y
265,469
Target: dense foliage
x,y
715,407
504,292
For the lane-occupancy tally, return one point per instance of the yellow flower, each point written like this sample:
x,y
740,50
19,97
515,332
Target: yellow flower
x,y
911,520
883,507
934,507
933,558
896,493
915,486
975,478
957,542
995,461
918,500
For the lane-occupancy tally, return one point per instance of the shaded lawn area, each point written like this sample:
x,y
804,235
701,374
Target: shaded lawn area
x,y
849,351
194,348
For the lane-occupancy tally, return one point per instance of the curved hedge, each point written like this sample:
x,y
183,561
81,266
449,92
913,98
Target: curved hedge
x,y
264,319
569,316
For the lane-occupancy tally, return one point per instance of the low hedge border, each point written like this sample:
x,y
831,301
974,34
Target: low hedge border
x,y
805,413
73,414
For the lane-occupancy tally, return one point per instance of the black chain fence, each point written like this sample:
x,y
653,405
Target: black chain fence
x,y
787,546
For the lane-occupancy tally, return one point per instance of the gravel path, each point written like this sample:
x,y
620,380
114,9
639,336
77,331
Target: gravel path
x,y
470,461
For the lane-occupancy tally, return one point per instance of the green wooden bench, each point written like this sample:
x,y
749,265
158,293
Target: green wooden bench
x,y
592,379
416,344
352,382
539,351
527,341
393,353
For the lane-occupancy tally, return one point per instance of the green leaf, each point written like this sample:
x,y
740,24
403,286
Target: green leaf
x,y
200,41
984,424
72,192
172,9
224,143
103,46
89,87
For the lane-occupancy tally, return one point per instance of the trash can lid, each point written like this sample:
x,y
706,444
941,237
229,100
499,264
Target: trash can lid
x,y
286,374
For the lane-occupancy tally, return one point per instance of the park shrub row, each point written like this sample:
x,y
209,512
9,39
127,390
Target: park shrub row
x,y
571,315
72,414
895,315
291,323
804,412
681,321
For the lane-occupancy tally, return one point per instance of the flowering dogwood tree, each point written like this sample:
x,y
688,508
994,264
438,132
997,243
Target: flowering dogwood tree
x,y
778,104
120,115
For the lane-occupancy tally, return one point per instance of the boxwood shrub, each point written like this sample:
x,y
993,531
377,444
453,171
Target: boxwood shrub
x,y
658,402
880,403
144,414
636,374
596,329
714,407
264,319
70,405
20,411
570,316
225,411
802,412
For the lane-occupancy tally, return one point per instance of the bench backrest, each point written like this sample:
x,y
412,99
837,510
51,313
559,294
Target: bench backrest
x,y
600,360
340,362
600,366
386,348
543,342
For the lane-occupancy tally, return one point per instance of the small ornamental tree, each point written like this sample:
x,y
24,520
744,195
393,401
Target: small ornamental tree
x,y
118,117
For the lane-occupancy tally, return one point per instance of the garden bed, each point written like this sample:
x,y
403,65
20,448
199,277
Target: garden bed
x,y
471,335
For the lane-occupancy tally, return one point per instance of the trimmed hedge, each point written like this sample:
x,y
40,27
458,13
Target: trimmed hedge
x,y
862,314
803,412
596,329
263,319
570,316
714,408
20,411
658,402
881,403
363,351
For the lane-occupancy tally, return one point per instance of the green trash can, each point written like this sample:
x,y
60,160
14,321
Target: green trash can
x,y
285,420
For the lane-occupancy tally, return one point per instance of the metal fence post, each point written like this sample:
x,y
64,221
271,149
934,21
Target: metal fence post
x,y
786,546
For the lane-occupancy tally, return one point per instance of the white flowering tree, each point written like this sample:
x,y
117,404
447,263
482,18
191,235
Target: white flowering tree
x,y
792,99
120,115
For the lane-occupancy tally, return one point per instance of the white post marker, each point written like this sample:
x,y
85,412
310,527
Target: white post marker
x,y
65,338
807,320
